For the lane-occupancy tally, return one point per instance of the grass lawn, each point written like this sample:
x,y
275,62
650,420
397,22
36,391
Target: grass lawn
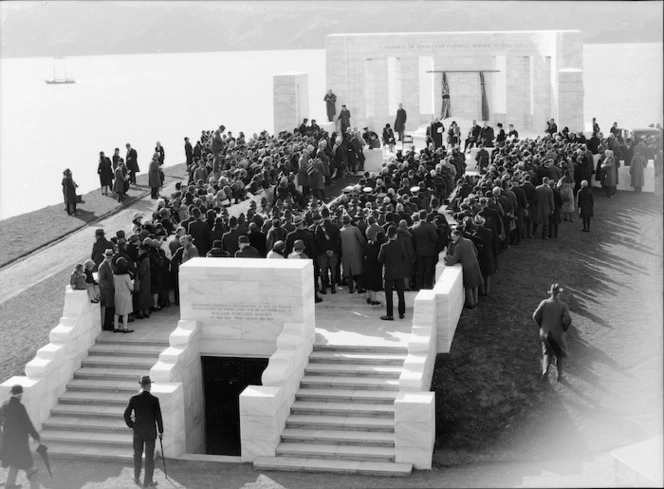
x,y
21,235
490,402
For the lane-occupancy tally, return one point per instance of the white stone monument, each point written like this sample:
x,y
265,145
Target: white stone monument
x,y
291,100
530,76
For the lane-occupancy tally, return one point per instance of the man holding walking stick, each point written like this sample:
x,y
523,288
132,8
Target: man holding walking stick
x,y
147,420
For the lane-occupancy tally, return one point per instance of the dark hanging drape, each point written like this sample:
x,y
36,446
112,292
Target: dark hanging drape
x,y
446,108
485,102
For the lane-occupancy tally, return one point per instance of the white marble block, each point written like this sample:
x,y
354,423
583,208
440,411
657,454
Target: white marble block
x,y
415,428
290,100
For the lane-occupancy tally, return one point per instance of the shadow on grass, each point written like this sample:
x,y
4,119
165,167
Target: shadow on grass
x,y
490,404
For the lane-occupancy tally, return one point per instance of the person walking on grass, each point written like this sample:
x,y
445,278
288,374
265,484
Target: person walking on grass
x,y
145,422
585,203
15,450
553,318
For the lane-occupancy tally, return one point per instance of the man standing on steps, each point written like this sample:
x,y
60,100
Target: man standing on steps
x,y
400,122
393,257
147,420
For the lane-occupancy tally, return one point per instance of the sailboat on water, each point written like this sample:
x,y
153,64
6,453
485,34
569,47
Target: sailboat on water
x,y
59,73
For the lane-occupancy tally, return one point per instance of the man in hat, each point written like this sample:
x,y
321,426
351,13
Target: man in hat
x,y
553,318
145,423
99,247
393,257
15,451
344,119
107,288
330,100
245,249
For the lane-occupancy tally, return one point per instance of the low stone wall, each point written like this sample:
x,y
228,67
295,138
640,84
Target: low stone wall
x,y
47,375
436,313
264,409
624,178
179,366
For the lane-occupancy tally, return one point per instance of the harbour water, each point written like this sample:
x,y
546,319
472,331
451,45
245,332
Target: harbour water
x,y
142,99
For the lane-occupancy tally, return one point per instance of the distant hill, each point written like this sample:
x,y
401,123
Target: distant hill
x,y
95,28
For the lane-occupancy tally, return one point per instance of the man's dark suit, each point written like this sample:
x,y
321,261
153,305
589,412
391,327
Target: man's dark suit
x,y
132,165
425,240
189,153
229,242
200,231
147,420
98,249
394,258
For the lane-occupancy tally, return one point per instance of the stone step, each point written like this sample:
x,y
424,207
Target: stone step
x,y
337,408
100,373
89,438
98,385
346,395
128,350
357,358
75,423
117,362
402,350
94,398
338,452
353,383
128,339
332,437
88,452
331,369
87,411
298,464
346,423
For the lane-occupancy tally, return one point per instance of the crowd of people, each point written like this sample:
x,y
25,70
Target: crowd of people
x,y
523,186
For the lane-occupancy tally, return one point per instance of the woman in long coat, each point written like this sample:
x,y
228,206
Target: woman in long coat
x,y
566,187
119,184
372,280
154,179
69,191
610,173
105,172
463,251
585,203
352,253
16,426
143,284
123,290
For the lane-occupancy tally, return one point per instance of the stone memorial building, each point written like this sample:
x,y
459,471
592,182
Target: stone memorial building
x,y
514,77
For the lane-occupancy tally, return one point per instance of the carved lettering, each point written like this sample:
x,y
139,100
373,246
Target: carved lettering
x,y
242,311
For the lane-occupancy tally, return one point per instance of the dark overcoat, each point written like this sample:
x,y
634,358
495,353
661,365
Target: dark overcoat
x,y
105,171
16,426
373,279
585,202
544,204
464,252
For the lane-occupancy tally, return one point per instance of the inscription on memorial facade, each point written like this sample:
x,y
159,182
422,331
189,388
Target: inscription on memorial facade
x,y
457,45
241,311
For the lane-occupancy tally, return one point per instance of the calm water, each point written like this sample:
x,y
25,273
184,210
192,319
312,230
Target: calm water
x,y
144,98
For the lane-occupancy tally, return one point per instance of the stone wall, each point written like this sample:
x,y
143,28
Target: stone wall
x,y
291,100
47,375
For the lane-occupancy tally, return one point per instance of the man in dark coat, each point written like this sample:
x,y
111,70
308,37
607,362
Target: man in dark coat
x,y
425,241
98,249
189,152
229,240
344,119
436,130
15,451
473,136
245,249
147,420
328,249
486,135
393,257
330,100
529,190
132,163
544,207
400,122
553,318
585,203
200,231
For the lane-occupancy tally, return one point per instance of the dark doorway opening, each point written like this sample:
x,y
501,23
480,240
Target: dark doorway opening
x,y
224,379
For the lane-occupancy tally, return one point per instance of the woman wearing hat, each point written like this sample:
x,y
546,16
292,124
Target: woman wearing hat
x,y
123,303
69,192
15,450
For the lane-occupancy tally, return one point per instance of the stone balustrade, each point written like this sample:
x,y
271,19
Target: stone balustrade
x,y
46,376
264,409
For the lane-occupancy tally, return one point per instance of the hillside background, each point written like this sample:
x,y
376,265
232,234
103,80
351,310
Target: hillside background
x,y
68,28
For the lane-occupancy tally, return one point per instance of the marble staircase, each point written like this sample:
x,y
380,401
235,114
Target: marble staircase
x,y
342,419
88,420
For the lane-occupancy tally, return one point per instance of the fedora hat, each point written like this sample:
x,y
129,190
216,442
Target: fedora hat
x,y
145,380
555,289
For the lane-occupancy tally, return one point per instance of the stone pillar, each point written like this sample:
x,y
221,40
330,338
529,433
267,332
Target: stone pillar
x,y
570,99
410,90
290,100
542,110
518,91
375,94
